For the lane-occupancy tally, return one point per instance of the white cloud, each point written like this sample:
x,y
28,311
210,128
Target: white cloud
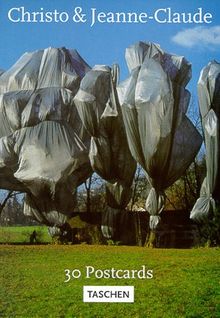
x,y
198,36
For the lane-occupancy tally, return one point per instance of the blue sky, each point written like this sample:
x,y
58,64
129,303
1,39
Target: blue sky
x,y
105,43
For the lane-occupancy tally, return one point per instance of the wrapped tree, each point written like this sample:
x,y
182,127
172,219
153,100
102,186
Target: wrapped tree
x,y
154,102
209,102
43,146
109,154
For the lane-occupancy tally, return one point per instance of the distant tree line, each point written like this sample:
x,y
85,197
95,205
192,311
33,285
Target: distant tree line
x,y
91,198
11,210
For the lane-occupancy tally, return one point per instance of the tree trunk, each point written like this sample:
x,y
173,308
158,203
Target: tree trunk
x,y
3,204
138,233
88,194
151,239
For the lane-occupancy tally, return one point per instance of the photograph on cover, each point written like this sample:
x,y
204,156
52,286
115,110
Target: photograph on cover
x,y
109,158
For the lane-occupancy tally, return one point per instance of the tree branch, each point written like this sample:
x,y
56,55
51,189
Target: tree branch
x,y
3,204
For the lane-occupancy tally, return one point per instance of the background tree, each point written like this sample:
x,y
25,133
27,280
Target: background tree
x,y
5,199
137,203
91,195
11,209
184,192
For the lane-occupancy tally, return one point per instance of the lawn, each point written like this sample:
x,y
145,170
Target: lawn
x,y
21,234
186,283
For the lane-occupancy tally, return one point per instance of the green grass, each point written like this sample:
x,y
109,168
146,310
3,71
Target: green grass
x,y
186,283
21,234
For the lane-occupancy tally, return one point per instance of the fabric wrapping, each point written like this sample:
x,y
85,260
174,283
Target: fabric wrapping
x,y
209,102
43,146
110,157
154,103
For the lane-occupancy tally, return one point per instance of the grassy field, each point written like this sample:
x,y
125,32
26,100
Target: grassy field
x,y
21,234
186,283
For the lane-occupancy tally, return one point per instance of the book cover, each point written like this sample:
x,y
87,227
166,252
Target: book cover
x,y
109,158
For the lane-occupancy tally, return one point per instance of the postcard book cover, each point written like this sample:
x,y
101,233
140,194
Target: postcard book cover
x,y
109,159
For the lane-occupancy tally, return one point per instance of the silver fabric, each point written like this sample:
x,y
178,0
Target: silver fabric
x,y
154,102
110,157
43,146
209,102
60,120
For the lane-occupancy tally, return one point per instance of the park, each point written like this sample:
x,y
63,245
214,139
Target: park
x,y
132,146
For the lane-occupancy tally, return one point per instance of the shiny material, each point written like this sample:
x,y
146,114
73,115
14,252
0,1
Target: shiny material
x,y
43,146
110,157
154,102
209,102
